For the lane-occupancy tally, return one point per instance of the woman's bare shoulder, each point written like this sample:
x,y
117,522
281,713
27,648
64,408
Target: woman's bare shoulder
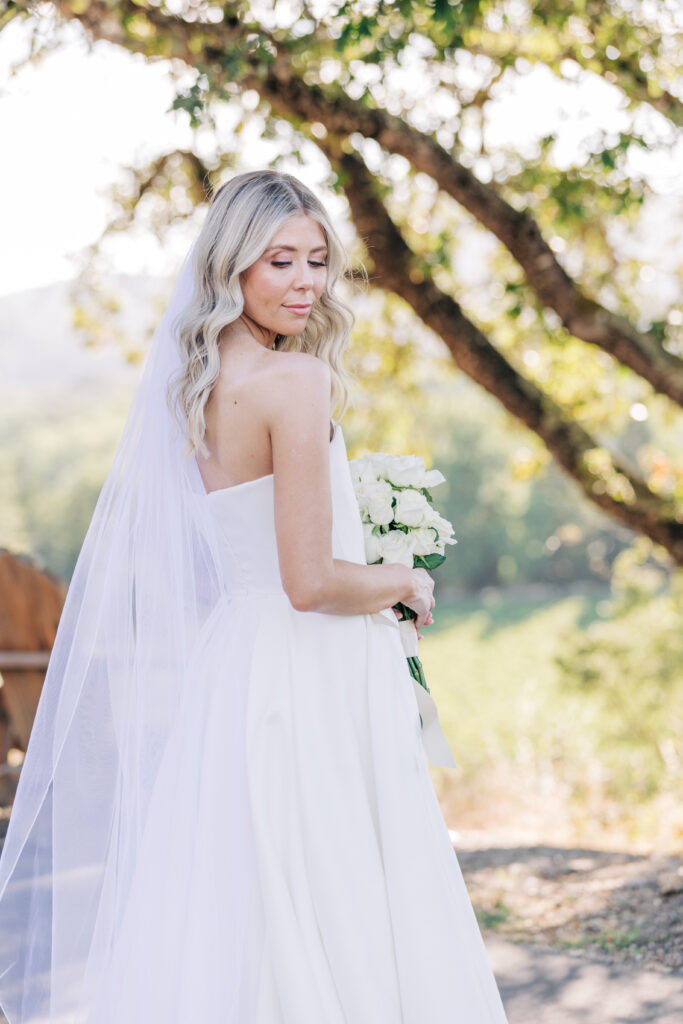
x,y
268,390
269,371
291,376
298,382
296,374
298,363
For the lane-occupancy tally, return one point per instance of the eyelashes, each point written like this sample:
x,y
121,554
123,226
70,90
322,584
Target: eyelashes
x,y
312,263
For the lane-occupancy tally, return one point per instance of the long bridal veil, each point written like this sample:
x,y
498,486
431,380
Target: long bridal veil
x,y
148,576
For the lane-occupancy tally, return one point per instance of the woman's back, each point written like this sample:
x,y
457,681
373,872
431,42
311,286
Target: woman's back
x,y
237,412
237,433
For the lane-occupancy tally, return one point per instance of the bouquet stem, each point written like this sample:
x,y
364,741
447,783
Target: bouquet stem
x,y
414,663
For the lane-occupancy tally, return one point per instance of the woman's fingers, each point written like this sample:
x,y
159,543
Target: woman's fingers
x,y
423,620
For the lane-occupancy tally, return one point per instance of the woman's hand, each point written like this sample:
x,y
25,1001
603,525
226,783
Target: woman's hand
x,y
420,598
428,621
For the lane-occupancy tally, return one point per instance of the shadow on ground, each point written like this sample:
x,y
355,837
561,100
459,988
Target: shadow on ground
x,y
611,906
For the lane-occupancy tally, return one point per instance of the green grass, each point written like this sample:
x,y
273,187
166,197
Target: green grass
x,y
620,939
528,745
606,940
492,918
490,668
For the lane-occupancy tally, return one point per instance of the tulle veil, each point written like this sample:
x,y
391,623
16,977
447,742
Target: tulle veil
x,y
147,578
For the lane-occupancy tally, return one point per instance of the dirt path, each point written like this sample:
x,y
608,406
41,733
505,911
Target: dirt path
x,y
542,986
611,907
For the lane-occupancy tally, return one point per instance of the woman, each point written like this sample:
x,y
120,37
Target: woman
x,y
225,812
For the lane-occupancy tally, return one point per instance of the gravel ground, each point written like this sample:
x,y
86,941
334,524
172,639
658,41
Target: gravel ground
x,y
613,907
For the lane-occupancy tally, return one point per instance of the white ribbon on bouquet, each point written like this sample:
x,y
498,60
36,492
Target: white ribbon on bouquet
x,y
435,744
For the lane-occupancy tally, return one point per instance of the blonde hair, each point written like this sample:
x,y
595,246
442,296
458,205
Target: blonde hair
x,y
243,216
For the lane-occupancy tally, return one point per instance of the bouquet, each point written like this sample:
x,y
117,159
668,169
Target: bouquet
x,y
400,525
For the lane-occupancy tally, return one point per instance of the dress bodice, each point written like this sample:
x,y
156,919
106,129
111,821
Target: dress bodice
x,y
245,515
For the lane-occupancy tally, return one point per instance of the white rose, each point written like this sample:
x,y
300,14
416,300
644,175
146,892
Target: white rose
x,y
425,540
378,504
373,547
443,527
397,546
373,463
379,462
432,478
405,470
363,470
410,507
377,490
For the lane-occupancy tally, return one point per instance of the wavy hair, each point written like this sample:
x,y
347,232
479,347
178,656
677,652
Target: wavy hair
x,y
243,216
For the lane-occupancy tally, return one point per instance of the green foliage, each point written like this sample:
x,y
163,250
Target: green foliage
x,y
444,67
629,664
372,32
516,517
52,469
536,747
193,101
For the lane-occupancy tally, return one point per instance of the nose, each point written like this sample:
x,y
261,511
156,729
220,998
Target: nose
x,y
304,276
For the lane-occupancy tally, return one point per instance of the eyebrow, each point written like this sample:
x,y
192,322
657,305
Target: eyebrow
x,y
293,248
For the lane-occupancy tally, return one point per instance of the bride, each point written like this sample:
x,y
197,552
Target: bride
x,y
225,813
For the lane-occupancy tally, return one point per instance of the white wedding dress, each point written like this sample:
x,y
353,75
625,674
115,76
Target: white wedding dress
x,y
301,873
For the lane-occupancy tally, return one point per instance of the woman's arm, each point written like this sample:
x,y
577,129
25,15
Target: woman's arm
x,y
353,589
299,427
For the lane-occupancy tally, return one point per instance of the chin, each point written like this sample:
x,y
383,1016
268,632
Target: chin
x,y
291,330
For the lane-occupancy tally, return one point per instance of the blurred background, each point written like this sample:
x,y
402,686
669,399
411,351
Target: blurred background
x,y
510,174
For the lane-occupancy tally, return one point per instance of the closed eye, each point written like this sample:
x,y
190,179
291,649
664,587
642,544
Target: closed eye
x,y
312,263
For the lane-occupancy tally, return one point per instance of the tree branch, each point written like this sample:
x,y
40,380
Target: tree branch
x,y
607,481
642,89
517,230
616,489
293,98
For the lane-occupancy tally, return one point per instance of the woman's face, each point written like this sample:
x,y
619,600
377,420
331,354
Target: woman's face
x,y
282,286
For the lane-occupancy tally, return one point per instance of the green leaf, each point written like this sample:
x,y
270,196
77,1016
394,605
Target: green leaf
x,y
431,561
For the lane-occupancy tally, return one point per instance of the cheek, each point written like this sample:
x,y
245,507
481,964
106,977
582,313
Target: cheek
x,y
319,284
262,287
